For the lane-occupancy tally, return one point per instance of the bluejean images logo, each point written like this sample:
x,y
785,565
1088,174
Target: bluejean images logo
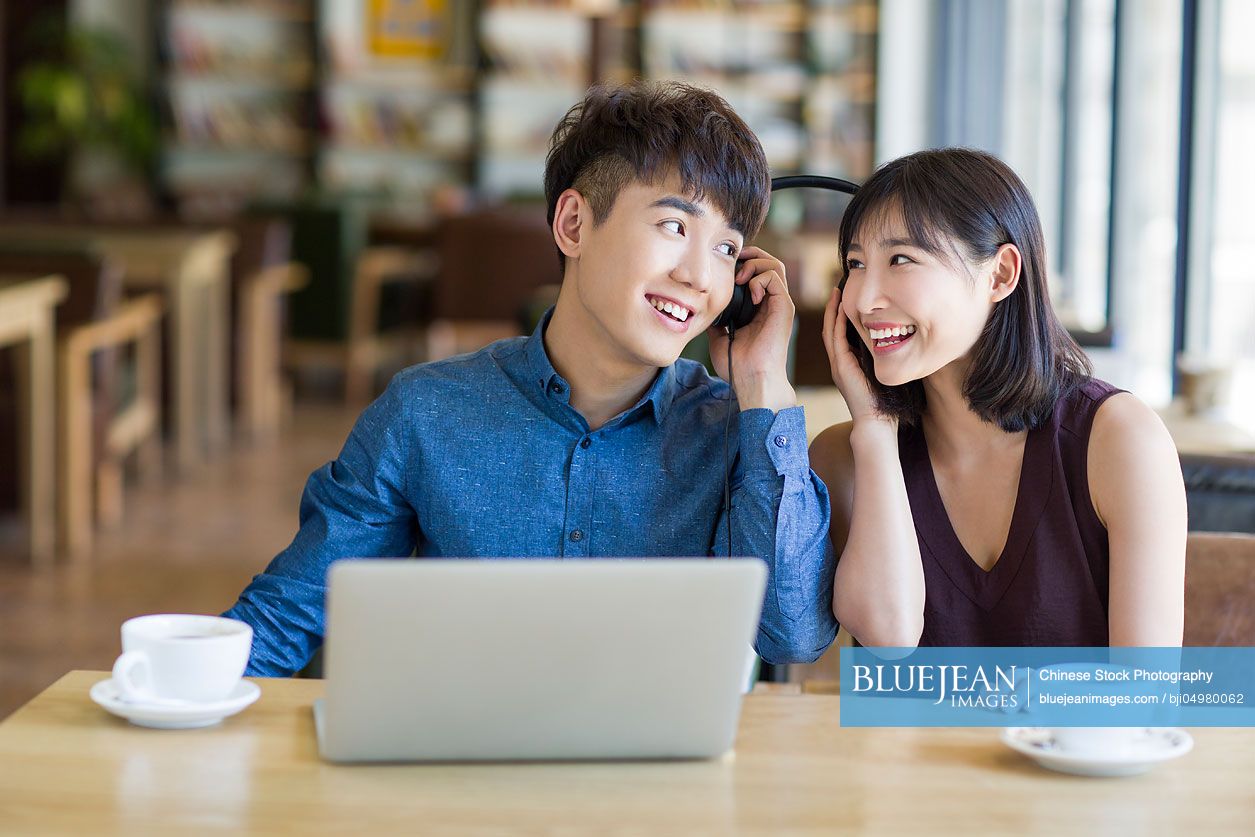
x,y
1048,687
991,687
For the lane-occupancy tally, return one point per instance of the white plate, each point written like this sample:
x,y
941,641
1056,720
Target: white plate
x,y
174,716
1148,749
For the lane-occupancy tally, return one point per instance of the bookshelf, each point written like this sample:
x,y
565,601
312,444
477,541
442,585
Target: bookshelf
x,y
271,99
397,94
238,101
752,54
801,74
538,59
841,99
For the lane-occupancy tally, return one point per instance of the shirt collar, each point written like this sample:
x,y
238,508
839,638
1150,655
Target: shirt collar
x,y
543,376
540,371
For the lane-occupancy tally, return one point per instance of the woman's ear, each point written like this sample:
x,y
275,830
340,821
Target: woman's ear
x,y
570,213
1005,275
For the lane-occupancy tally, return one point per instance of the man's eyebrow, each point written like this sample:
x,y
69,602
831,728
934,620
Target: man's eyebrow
x,y
685,206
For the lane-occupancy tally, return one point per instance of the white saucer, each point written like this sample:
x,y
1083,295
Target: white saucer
x,y
1153,746
174,716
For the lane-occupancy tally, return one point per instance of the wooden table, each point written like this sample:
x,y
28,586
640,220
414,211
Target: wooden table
x,y
27,317
192,269
1204,434
67,767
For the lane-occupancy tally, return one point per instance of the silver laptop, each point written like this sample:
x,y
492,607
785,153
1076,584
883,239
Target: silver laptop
x,y
473,660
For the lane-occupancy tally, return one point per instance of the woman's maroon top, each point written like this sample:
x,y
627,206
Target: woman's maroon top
x,y
1049,586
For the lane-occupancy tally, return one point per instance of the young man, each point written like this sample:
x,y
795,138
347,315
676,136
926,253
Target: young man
x,y
589,439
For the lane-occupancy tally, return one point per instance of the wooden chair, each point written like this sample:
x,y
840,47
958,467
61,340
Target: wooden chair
x,y
366,346
369,347
262,274
1220,589
335,319
95,432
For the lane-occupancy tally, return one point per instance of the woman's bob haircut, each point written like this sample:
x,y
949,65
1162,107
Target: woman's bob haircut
x,y
961,205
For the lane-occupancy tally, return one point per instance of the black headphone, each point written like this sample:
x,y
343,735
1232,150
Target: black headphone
x,y
741,309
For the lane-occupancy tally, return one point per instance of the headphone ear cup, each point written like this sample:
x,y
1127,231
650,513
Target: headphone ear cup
x,y
740,309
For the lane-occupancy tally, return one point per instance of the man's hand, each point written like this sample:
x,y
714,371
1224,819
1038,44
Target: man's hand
x,y
761,349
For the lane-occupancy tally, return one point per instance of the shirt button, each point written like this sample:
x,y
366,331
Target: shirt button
x,y
586,442
781,441
577,535
555,388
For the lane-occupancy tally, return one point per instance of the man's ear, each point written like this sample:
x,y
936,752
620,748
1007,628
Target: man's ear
x,y
570,215
1005,276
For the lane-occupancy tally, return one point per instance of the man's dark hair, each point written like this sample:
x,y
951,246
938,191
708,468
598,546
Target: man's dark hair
x,y
646,131
960,203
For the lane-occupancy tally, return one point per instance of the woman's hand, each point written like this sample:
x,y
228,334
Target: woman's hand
x,y
846,372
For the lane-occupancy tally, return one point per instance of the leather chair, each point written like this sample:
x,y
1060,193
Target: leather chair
x,y
1220,589
492,263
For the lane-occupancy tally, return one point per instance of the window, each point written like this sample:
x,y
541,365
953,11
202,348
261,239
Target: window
x,y
1144,233
1129,121
1220,324
1058,130
1091,123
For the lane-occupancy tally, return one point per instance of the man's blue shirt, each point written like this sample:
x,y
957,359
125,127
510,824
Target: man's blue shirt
x,y
482,455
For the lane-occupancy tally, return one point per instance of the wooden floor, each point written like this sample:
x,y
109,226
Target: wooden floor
x,y
187,546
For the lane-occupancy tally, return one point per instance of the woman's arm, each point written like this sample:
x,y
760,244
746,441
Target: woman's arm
x,y
1136,488
878,591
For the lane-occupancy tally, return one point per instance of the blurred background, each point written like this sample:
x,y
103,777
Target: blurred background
x,y
224,224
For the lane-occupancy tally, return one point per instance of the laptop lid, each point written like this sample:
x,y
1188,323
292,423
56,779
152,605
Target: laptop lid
x,y
453,660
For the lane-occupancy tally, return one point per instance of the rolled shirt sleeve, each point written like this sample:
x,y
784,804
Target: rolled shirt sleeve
x,y
780,513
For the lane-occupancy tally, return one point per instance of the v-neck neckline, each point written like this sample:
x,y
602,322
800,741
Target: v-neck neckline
x,y
932,522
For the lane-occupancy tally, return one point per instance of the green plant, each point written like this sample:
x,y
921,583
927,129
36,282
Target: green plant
x,y
89,100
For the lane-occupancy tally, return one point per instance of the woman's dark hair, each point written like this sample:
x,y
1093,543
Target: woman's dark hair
x,y
646,131
966,203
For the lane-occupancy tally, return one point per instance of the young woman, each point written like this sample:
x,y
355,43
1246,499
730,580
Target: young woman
x,y
988,490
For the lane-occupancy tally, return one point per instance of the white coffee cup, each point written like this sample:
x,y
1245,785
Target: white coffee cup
x,y
184,657
1111,742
